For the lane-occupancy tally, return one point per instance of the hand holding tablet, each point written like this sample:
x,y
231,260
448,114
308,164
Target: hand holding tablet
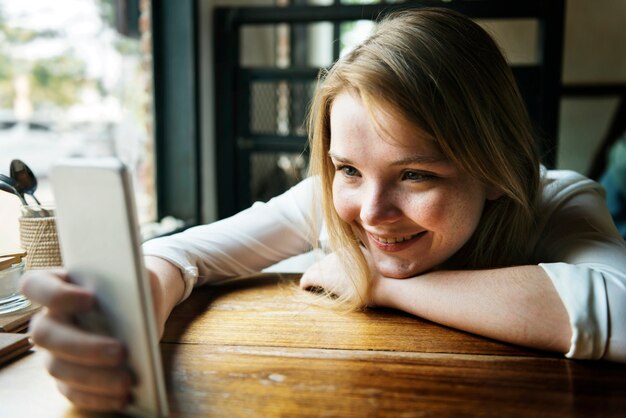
x,y
99,237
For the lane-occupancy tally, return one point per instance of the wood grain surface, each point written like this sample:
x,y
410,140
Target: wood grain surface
x,y
230,381
261,348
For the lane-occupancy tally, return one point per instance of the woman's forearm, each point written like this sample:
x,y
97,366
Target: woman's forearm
x,y
516,304
167,286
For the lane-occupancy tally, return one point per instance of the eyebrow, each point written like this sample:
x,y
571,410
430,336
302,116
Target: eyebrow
x,y
412,159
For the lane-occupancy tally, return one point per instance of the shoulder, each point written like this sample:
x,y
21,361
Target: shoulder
x,y
558,186
562,183
301,196
568,205
572,215
298,204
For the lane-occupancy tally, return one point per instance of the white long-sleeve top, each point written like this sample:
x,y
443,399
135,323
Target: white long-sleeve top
x,y
576,244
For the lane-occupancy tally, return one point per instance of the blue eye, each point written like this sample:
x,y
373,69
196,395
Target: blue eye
x,y
417,176
348,171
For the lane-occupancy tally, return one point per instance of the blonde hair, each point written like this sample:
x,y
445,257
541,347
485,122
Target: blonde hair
x,y
443,73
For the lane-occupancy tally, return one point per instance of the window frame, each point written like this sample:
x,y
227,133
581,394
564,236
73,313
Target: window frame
x,y
176,110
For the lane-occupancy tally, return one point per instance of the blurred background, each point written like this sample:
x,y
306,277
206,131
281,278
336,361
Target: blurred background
x,y
136,79
72,85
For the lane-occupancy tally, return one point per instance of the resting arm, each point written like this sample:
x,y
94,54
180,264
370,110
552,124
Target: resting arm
x,y
583,269
245,243
586,261
167,287
516,304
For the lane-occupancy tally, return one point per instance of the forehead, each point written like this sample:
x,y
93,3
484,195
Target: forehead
x,y
352,121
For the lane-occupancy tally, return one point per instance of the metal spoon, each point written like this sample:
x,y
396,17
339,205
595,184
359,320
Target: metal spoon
x,y
7,184
26,180
9,188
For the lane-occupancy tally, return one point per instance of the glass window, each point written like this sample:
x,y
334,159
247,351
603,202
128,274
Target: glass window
x,y
72,85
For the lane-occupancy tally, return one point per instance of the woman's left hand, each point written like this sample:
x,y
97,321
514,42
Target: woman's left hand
x,y
329,274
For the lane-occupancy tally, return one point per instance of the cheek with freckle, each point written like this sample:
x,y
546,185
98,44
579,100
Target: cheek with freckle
x,y
465,217
429,211
452,216
343,206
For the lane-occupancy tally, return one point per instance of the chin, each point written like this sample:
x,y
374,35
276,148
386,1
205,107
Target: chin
x,y
399,272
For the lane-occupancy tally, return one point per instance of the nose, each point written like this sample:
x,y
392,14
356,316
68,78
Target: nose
x,y
379,206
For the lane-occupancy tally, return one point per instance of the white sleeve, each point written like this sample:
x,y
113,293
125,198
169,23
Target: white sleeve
x,y
588,270
246,242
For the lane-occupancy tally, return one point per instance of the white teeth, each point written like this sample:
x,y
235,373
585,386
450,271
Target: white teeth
x,y
393,240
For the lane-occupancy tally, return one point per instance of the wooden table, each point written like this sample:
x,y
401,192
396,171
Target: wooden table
x,y
255,349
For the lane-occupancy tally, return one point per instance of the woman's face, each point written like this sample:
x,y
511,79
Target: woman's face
x,y
409,205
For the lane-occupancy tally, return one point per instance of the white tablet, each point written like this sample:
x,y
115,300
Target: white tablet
x,y
100,246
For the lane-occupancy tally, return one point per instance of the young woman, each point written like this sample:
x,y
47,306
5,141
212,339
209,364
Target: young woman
x,y
426,181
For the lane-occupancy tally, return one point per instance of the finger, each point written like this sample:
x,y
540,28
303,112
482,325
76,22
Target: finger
x,y
92,401
317,277
52,289
311,277
304,282
310,283
106,381
67,342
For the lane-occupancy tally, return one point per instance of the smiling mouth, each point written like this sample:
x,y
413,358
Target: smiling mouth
x,y
395,243
393,240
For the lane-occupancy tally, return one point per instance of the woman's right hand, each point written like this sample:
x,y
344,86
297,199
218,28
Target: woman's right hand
x,y
90,369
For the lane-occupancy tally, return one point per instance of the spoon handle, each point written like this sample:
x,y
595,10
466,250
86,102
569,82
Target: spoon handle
x,y
8,185
36,200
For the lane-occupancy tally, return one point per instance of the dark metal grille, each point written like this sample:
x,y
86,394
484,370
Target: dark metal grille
x,y
263,97
280,107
